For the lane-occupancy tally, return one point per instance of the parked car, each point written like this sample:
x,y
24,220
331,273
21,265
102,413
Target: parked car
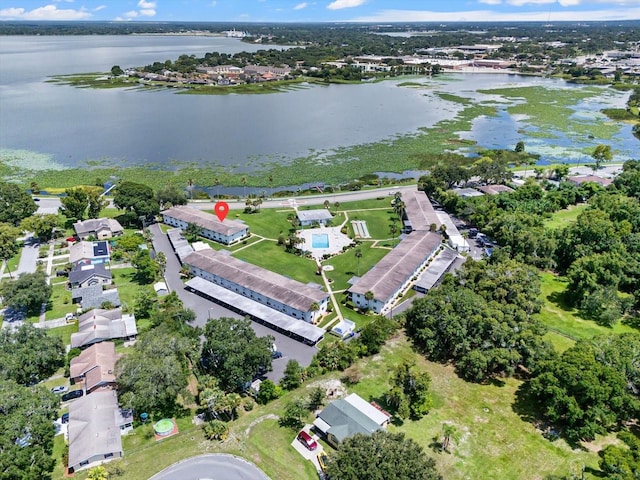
x,y
60,389
71,395
322,461
64,418
276,354
307,440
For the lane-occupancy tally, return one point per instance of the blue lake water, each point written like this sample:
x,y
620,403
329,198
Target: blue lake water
x,y
45,125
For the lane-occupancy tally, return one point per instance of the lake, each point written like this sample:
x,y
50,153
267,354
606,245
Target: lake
x,y
43,125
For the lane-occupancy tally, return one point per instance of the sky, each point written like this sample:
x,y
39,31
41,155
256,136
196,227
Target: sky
x,y
373,11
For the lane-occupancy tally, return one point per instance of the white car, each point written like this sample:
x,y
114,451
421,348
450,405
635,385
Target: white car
x,y
60,389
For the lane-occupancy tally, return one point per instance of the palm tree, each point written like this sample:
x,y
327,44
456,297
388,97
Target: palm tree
x,y
243,181
314,307
398,208
369,296
358,255
449,433
216,182
393,228
337,205
270,179
327,204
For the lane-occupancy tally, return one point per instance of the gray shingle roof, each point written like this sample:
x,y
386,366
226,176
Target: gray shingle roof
x,y
85,272
95,224
264,282
205,220
398,266
314,215
98,325
92,427
94,296
346,420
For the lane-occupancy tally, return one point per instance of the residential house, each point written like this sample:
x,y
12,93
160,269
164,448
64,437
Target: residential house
x,y
95,367
89,253
99,228
224,231
89,275
348,416
580,179
95,296
99,325
310,217
96,424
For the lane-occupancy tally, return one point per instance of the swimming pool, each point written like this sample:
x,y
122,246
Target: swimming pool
x,y
320,240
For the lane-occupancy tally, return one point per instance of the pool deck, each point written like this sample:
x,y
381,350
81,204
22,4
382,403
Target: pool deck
x,y
337,240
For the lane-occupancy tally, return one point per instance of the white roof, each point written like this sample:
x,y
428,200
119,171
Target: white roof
x,y
369,410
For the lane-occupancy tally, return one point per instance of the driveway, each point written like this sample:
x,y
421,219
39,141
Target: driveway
x,y
210,467
206,310
311,455
29,256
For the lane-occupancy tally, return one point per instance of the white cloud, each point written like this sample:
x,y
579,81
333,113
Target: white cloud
x,y
48,12
148,12
99,7
131,14
386,16
340,4
146,5
491,2
300,6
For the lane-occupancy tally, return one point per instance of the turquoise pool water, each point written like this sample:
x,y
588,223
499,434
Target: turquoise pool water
x,y
320,240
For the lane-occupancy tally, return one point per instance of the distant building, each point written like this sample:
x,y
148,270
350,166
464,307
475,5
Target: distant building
x,y
95,367
309,217
88,275
419,214
390,278
96,424
225,232
276,291
89,253
579,180
100,228
348,416
99,325
495,189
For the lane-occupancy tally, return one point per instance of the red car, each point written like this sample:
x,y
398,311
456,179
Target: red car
x,y
307,441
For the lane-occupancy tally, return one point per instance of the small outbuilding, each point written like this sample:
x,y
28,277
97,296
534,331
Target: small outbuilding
x,y
312,217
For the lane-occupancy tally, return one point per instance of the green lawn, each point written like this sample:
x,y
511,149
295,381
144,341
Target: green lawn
x,y
346,265
269,222
128,287
379,202
60,303
562,218
378,222
273,257
64,332
565,320
496,442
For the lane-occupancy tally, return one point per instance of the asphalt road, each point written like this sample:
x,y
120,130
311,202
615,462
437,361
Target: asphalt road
x,y
207,310
212,467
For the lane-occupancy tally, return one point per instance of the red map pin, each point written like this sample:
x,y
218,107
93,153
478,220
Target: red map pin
x,y
221,209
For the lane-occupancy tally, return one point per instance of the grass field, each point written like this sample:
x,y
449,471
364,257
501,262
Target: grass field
x,y
346,265
564,320
60,303
128,287
562,218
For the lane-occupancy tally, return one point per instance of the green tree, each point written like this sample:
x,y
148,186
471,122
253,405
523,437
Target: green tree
x,y
292,378
519,147
29,355
137,200
15,204
8,245
393,229
145,304
170,195
602,153
152,375
358,254
411,388
450,435
561,171
116,71
216,430
29,292
26,410
268,391
294,414
146,269
620,462
233,353
192,232
43,226
98,473
396,458
375,333
592,387
96,202
75,202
